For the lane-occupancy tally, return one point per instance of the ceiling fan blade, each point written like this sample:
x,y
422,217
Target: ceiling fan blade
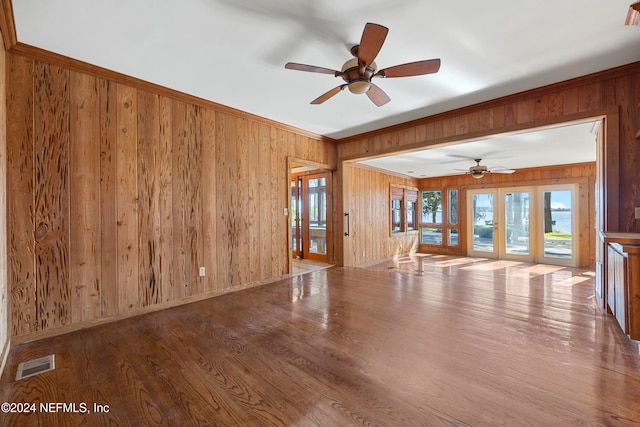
x,y
500,169
327,95
417,68
371,42
310,68
377,95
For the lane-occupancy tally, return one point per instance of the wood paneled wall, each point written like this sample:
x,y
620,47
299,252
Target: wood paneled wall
x,y
4,288
369,237
583,175
119,194
613,93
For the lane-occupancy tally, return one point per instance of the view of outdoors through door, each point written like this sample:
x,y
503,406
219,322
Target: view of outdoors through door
x,y
522,224
309,216
482,213
558,224
516,221
296,218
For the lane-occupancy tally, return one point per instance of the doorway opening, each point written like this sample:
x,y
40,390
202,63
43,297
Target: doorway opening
x,y
310,228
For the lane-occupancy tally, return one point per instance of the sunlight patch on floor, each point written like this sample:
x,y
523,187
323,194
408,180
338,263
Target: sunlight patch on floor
x,y
536,270
492,266
573,281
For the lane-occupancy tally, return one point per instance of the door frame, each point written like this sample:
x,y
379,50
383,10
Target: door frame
x,y
306,231
575,214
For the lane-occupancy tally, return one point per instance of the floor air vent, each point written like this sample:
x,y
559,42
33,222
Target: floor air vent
x,y
36,366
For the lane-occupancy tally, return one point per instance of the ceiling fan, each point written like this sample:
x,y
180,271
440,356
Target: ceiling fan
x,y
477,171
358,72
633,15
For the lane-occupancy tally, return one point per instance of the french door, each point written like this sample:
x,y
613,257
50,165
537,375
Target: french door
x,y
309,216
527,224
500,223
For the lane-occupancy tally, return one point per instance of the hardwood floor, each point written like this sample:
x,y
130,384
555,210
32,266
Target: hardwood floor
x,y
419,341
307,266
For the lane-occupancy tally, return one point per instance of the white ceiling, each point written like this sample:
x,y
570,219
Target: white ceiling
x,y
233,52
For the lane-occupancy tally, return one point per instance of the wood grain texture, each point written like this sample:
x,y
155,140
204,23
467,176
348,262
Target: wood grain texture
x,y
253,201
264,188
118,195
192,174
20,188
178,208
127,201
241,190
165,199
85,228
51,195
209,208
149,163
108,197
352,346
369,209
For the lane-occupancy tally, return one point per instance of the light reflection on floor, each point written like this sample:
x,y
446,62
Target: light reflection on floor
x,y
492,265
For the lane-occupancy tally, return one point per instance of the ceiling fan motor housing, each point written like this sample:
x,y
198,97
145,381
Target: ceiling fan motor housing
x,y
478,170
357,76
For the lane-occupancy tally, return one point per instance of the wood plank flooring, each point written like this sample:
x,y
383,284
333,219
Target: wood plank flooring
x,y
423,340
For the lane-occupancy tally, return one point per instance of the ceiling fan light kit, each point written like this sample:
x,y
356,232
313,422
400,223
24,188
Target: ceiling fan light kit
x,y
358,71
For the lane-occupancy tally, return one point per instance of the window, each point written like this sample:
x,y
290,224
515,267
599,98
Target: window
x,y
411,197
431,218
452,218
439,219
432,207
403,202
397,199
453,207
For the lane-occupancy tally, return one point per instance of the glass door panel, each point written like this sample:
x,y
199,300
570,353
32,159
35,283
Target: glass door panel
x,y
482,212
516,223
296,212
558,217
317,215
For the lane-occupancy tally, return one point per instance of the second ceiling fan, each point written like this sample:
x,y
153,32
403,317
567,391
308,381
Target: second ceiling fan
x,y
358,72
477,171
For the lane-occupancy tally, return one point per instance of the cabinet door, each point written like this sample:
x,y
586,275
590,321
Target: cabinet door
x,y
611,279
621,292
